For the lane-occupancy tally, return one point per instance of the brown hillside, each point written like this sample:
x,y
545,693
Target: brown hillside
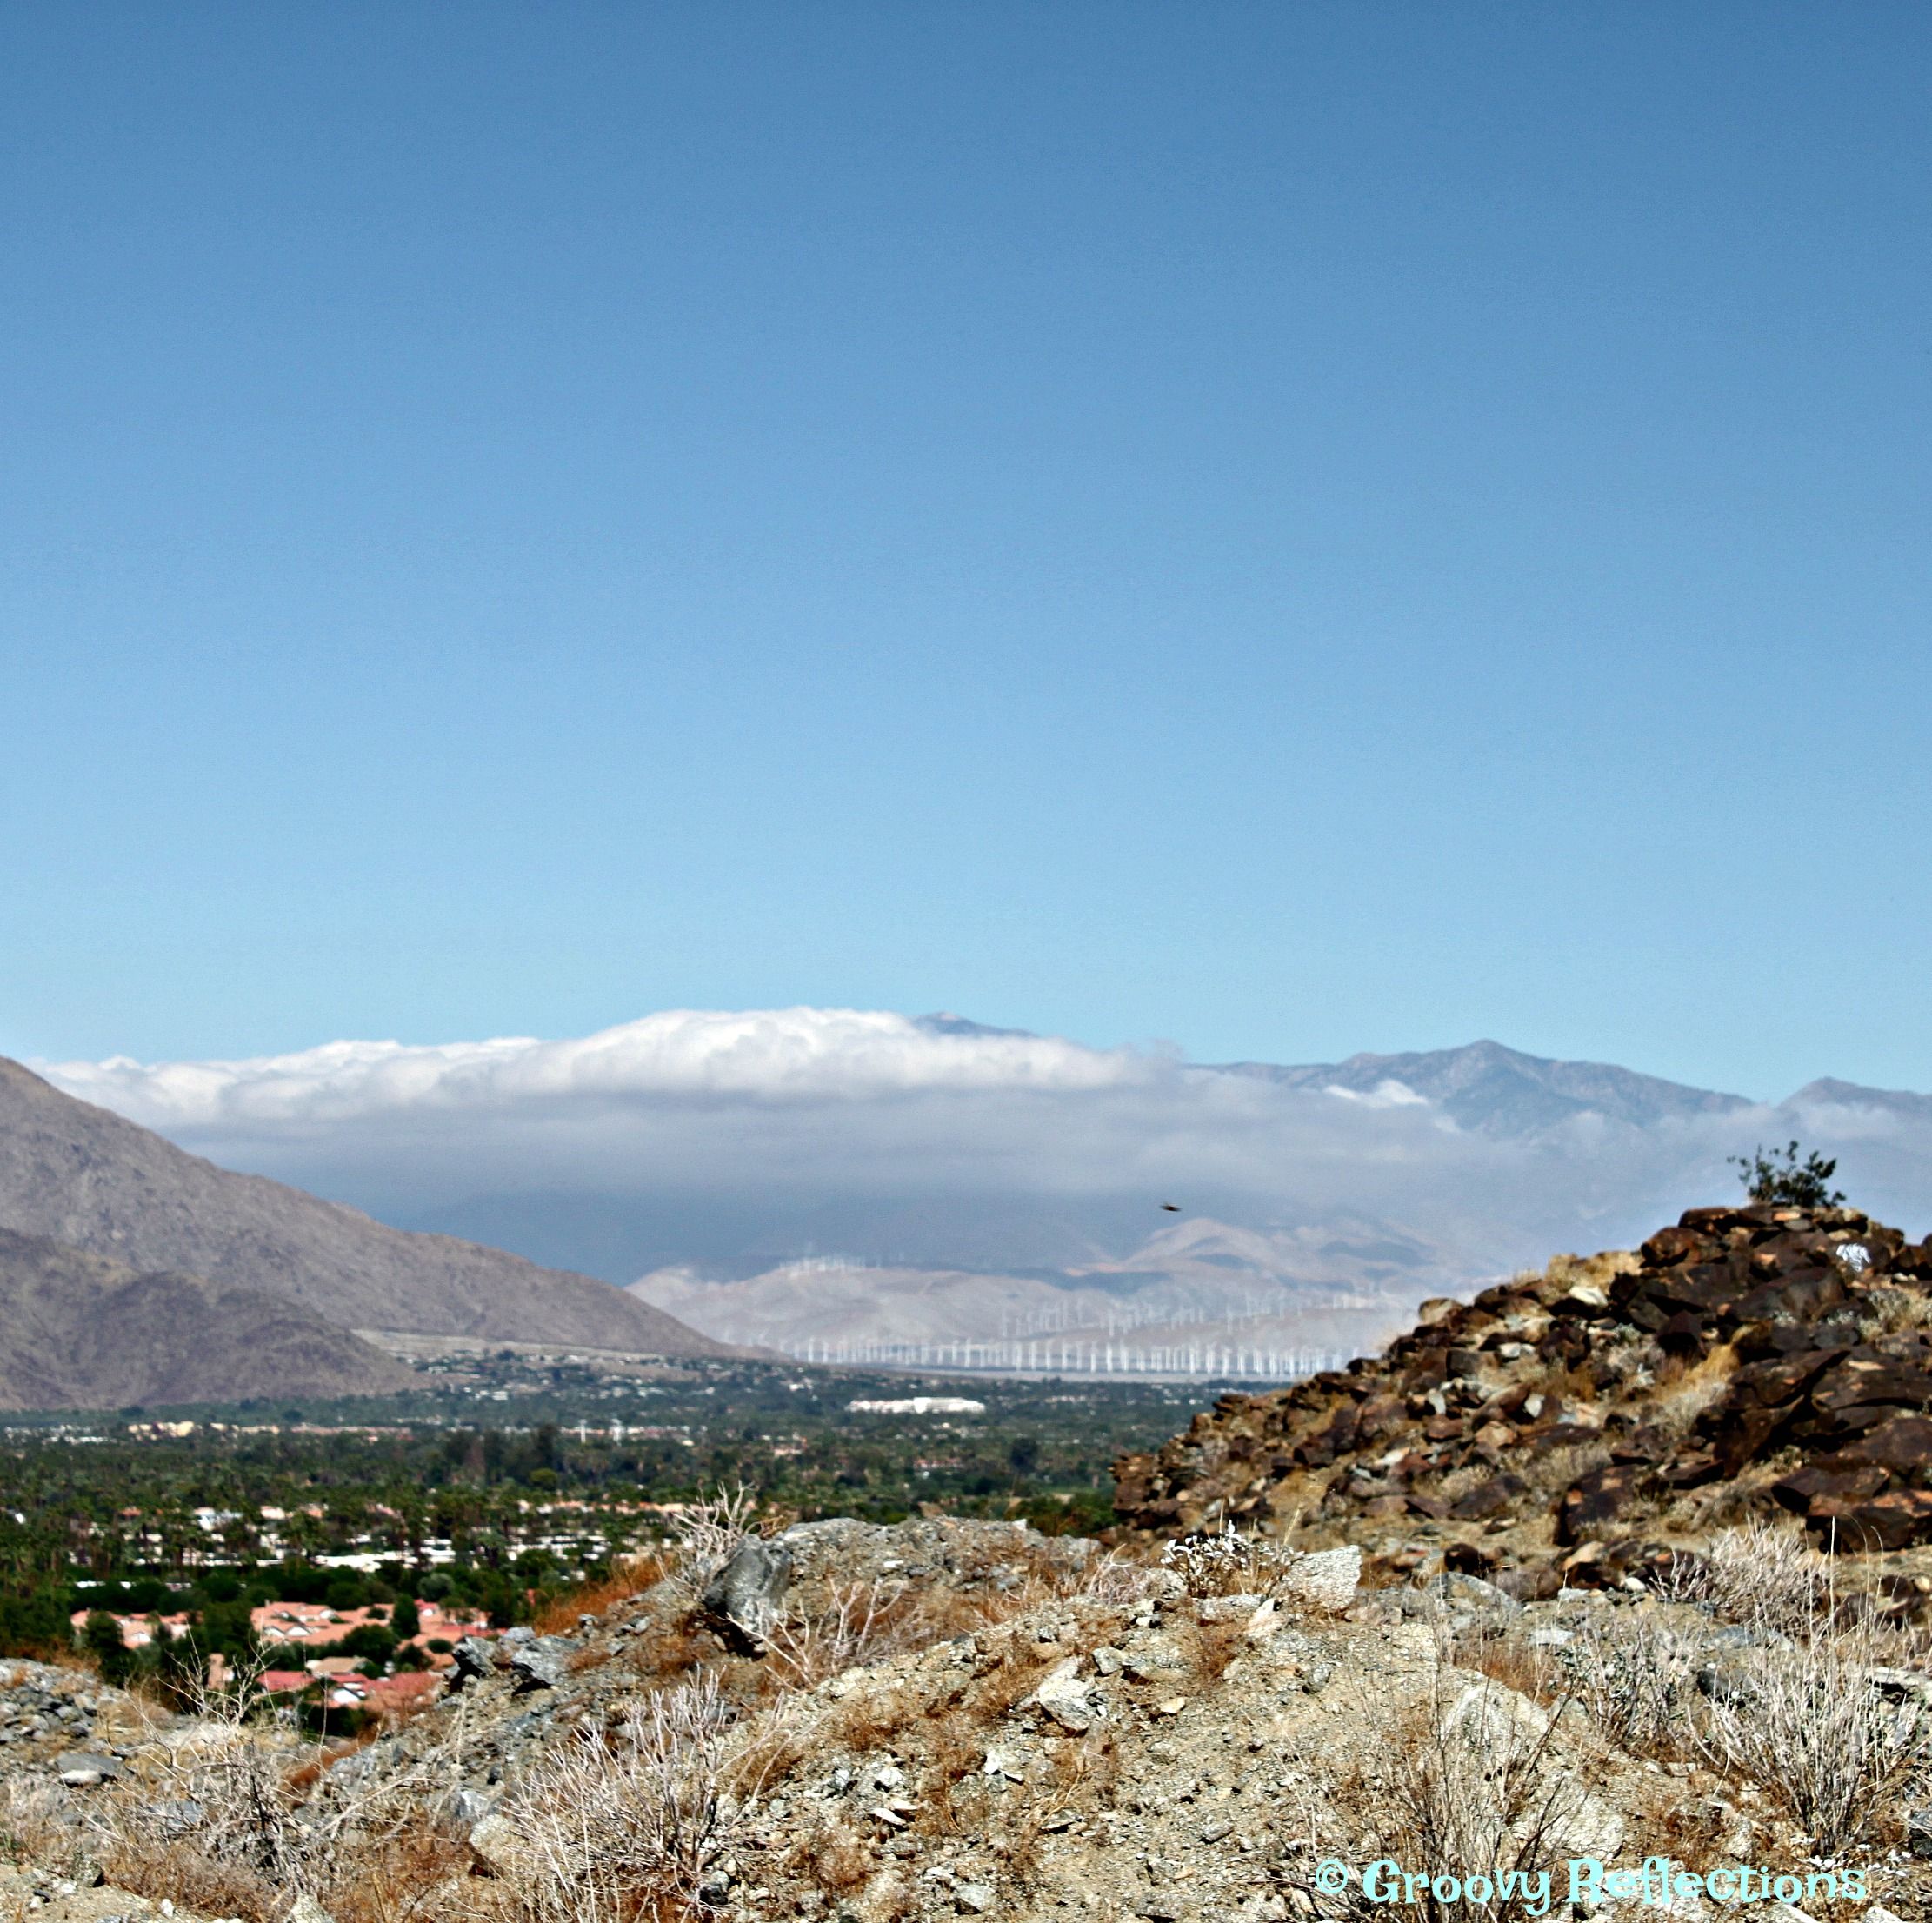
x,y
80,1176
85,1332
1567,1427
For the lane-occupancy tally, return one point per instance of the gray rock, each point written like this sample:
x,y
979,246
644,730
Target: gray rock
x,y
177,1816
1918,1833
1732,1635
307,1910
475,1661
1460,1591
743,1602
1063,1697
543,1664
84,1768
468,1807
1899,1686
1728,1688
973,1899
1228,1608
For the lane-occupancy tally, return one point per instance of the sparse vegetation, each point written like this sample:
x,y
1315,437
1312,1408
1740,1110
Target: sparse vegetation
x,y
1778,1177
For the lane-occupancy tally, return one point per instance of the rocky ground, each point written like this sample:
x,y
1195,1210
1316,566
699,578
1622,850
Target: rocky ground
x,y
1576,1426
951,1718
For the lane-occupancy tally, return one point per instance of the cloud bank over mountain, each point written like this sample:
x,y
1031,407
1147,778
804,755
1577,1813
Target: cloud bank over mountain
x,y
731,1140
763,1055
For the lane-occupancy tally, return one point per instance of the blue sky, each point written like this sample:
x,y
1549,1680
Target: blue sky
x,y
1287,529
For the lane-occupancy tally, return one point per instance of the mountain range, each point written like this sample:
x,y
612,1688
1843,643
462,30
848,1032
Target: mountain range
x,y
834,1181
1553,1150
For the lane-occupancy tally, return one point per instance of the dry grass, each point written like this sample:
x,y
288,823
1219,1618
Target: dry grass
x,y
627,1578
1807,1726
1634,1677
609,1830
1472,1779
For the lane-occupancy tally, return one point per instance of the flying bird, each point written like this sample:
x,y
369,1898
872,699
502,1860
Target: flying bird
x,y
1173,1209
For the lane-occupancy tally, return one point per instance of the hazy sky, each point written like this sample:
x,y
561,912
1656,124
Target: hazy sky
x,y
1290,529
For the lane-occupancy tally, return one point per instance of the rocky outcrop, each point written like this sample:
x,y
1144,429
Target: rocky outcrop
x,y
1570,1425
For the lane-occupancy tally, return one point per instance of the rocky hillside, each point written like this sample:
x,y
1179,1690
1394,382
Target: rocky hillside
x,y
85,1332
79,1175
946,1719
1568,1428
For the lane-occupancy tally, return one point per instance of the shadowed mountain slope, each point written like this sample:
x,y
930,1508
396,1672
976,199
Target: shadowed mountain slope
x,y
82,1332
80,1176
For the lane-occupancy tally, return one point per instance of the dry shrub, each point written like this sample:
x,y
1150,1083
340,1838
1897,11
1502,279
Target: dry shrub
x,y
1209,1648
1509,1661
1558,1468
836,1858
399,1882
859,1622
1224,1562
949,1751
1898,1309
1806,1724
1573,1381
1686,1389
217,1818
612,1827
1472,1780
707,1534
1116,1581
183,1872
1021,1668
1635,1678
1801,1718
218,1790
31,1829
1759,1573
668,1652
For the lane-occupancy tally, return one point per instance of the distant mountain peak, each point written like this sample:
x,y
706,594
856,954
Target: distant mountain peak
x,y
947,1023
1497,1090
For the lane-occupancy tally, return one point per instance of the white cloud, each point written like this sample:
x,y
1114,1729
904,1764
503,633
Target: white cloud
x,y
815,1103
1385,1094
706,1131
776,1055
